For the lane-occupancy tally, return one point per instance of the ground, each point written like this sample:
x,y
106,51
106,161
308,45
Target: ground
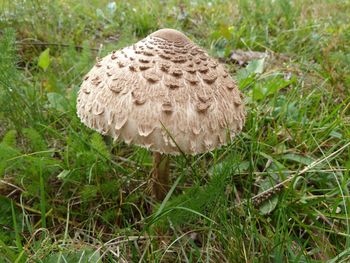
x,y
67,194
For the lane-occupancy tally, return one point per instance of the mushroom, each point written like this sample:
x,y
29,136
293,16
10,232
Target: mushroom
x,y
166,94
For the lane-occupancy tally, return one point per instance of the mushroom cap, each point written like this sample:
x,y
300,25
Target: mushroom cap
x,y
164,93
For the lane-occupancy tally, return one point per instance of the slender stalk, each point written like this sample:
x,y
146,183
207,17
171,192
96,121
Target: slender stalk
x,y
42,197
160,175
15,227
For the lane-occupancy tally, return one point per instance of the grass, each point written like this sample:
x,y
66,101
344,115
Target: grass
x,y
68,195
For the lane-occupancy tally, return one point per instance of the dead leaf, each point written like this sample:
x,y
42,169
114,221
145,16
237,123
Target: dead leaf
x,y
243,57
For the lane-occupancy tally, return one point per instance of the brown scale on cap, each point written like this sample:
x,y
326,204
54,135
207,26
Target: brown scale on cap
x,y
177,72
97,108
86,89
165,66
191,78
167,106
210,77
163,84
152,76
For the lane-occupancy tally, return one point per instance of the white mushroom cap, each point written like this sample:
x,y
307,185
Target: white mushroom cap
x,y
163,93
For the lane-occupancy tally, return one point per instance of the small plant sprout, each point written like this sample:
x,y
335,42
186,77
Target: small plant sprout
x,y
166,94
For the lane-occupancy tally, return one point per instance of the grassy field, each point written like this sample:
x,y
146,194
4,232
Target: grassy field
x,y
69,195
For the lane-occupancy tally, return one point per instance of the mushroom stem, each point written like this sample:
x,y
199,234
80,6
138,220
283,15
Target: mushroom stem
x,y
160,175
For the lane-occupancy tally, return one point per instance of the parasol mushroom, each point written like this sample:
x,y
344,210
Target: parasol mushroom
x,y
166,94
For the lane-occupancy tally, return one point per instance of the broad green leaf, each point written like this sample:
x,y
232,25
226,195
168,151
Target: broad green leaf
x,y
263,89
258,93
336,134
275,84
229,166
57,101
278,164
83,255
44,59
256,66
63,174
269,205
298,158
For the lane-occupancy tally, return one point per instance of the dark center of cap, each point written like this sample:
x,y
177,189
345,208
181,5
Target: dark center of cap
x,y
171,35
